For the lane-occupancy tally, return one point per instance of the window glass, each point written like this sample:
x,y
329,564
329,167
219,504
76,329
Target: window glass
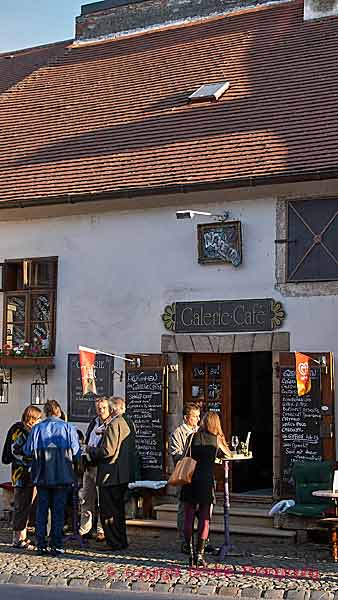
x,y
16,309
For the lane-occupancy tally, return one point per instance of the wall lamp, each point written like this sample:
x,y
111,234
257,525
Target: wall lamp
x,y
190,214
38,388
5,380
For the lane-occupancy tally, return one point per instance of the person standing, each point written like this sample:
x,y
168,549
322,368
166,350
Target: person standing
x,y
88,492
178,440
53,444
200,493
115,459
24,491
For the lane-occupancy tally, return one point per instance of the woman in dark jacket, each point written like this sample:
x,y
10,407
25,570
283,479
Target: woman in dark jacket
x,y
200,492
24,491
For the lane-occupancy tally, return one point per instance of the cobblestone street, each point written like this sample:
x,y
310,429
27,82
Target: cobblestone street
x,y
152,562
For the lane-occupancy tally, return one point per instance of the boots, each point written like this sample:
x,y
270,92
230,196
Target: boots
x,y
200,562
192,557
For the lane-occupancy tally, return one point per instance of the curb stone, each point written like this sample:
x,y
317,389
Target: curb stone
x,y
120,585
161,587
229,591
99,583
252,592
318,595
4,577
18,578
297,595
39,580
207,589
58,582
274,594
140,586
183,589
78,582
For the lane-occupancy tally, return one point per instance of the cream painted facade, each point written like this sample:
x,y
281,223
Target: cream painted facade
x,y
121,263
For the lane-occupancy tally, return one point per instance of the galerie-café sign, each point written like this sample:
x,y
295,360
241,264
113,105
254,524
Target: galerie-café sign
x,y
263,314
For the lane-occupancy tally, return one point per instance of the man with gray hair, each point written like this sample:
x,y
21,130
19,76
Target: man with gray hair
x,y
115,459
88,493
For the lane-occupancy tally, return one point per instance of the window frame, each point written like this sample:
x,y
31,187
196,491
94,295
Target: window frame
x,y
29,292
299,288
291,207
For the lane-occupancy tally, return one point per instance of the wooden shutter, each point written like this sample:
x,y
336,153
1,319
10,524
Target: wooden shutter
x,y
306,425
313,240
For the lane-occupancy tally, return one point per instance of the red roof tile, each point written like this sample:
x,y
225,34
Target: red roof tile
x,y
113,117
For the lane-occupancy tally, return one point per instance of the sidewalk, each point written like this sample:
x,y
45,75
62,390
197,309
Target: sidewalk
x,y
153,563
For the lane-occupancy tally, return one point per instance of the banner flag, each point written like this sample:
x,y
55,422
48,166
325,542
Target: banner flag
x,y
87,365
303,374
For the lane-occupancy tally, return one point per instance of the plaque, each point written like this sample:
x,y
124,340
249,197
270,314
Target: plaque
x,y
220,243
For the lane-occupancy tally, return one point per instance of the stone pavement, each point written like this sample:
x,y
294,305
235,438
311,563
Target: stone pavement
x,y
266,569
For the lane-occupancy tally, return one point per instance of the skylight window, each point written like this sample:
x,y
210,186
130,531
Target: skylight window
x,y
210,91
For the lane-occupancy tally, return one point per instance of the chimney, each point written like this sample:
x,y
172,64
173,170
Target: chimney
x,y
317,9
110,17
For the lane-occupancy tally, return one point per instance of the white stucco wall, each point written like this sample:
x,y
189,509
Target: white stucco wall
x,y
119,269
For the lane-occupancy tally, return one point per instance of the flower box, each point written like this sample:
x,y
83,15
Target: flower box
x,y
27,361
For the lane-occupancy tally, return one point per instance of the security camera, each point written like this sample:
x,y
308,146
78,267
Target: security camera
x,y
189,214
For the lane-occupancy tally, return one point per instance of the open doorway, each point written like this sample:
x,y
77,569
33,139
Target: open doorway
x,y
251,410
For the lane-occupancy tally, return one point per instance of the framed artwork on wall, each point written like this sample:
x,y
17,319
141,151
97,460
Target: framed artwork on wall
x,y
220,243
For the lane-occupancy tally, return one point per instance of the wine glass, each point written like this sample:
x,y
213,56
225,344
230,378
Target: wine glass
x,y
234,442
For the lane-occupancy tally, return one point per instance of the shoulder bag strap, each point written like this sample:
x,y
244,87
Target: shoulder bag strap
x,y
188,448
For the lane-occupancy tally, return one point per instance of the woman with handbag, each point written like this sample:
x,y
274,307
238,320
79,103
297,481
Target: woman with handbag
x,y
202,447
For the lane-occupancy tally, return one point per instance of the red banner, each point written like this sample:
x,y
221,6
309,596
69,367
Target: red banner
x,y
303,375
87,365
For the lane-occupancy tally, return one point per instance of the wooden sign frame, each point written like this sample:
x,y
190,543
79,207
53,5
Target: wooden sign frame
x,y
220,243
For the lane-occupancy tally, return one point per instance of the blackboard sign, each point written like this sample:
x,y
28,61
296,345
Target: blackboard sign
x,y
82,408
300,421
144,405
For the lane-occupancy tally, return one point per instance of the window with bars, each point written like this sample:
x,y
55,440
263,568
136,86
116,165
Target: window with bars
x,y
312,240
29,287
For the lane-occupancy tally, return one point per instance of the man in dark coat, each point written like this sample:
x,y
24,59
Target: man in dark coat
x,y
115,459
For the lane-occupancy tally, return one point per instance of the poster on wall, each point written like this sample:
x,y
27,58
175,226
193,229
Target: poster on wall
x,y
81,407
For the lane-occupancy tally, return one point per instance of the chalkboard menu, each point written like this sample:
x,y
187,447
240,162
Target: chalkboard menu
x,y
82,408
300,421
144,405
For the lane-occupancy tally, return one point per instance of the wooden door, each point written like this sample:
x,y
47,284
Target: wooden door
x,y
207,381
306,426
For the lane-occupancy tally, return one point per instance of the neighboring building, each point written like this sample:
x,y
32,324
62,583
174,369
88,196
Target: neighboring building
x,y
101,146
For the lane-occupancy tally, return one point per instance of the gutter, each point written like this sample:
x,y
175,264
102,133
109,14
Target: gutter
x,y
184,188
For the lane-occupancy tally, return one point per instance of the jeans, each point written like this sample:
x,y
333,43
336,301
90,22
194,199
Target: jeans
x,y
54,498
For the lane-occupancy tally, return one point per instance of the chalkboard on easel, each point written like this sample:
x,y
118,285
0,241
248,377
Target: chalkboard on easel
x,y
144,405
300,421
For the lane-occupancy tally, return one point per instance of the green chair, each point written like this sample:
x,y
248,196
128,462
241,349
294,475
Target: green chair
x,y
308,477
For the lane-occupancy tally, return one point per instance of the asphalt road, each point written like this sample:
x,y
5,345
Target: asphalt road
x,y
17,592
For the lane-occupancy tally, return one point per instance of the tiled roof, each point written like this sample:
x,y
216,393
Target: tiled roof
x,y
113,117
16,66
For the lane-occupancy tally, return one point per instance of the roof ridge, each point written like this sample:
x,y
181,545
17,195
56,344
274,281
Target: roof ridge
x,y
22,51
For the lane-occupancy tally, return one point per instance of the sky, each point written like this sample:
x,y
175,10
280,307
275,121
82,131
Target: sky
x,y
26,23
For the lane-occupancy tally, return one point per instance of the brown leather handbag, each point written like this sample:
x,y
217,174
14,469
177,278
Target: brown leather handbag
x,y
184,469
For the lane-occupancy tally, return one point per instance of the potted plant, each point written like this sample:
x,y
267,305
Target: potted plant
x,y
35,353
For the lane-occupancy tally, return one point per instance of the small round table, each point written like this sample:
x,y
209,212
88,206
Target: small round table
x,y
331,522
227,546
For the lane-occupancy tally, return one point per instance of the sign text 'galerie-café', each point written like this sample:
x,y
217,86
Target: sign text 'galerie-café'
x,y
224,316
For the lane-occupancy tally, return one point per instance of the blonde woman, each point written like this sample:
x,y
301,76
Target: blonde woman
x,y
200,492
